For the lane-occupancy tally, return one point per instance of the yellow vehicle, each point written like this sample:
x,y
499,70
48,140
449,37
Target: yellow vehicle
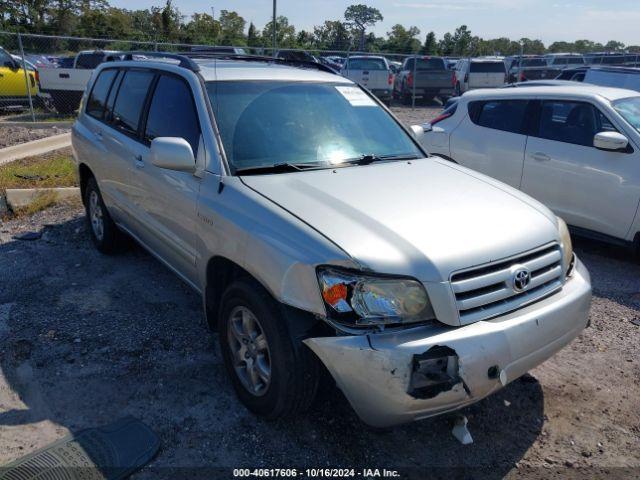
x,y
13,88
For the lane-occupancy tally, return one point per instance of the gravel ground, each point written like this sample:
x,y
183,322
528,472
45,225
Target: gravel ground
x,y
15,135
89,338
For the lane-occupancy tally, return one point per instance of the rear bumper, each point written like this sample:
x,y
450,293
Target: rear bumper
x,y
432,91
377,373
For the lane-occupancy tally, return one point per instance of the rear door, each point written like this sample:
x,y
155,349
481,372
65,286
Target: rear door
x,y
590,188
167,199
122,140
492,139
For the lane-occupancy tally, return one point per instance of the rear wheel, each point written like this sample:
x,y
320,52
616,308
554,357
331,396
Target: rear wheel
x,y
104,232
458,89
271,376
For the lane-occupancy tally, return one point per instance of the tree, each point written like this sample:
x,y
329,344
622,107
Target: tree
x,y
430,44
285,33
231,28
462,40
403,40
360,17
253,36
446,45
202,29
304,40
332,35
613,45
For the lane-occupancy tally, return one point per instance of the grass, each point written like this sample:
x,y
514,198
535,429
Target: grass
x,y
39,172
41,201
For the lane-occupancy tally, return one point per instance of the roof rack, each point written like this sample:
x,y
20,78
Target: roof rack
x,y
185,59
259,58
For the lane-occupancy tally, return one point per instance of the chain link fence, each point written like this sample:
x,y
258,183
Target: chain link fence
x,y
46,75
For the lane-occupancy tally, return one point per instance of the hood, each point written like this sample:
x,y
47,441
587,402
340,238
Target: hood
x,y
425,218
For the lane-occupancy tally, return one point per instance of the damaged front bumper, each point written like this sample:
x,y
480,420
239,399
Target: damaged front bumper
x,y
401,376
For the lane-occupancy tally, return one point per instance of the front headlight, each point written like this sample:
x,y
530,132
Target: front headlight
x,y
567,247
361,300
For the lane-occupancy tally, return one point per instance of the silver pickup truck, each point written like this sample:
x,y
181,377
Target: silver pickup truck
x,y
320,235
426,77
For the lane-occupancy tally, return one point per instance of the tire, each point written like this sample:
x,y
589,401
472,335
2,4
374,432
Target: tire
x,y
104,232
406,97
65,103
458,89
286,375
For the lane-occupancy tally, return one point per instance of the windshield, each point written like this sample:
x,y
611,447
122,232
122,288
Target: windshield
x,y
265,123
366,64
629,108
532,62
487,67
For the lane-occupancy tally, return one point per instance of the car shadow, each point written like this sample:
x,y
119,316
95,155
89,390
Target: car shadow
x,y
90,338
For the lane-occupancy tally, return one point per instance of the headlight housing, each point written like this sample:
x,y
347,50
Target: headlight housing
x,y
567,247
361,300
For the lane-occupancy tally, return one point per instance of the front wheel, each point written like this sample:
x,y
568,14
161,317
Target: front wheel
x,y
271,376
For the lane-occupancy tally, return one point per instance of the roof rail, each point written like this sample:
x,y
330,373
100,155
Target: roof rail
x,y
183,60
259,58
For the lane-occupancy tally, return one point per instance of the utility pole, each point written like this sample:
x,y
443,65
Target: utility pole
x,y
274,29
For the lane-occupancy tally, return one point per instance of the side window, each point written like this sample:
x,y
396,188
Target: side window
x,y
172,112
4,58
569,122
504,115
98,98
108,114
130,100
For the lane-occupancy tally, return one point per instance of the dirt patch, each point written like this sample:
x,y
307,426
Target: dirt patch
x,y
15,135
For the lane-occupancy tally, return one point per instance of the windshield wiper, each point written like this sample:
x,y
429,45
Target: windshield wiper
x,y
281,168
370,158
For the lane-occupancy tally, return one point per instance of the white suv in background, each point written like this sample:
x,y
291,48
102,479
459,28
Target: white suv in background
x,y
472,73
573,148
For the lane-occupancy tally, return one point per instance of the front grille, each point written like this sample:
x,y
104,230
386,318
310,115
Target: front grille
x,y
488,291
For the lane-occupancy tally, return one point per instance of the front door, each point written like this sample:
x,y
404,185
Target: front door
x,y
168,198
589,188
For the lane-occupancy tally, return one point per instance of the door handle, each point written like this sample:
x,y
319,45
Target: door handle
x,y
98,135
541,157
138,161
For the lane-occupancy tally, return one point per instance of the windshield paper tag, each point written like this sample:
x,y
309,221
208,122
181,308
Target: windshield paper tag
x,y
356,97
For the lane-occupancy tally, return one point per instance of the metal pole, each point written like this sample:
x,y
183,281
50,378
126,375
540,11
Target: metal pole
x,y
274,29
415,79
26,79
520,62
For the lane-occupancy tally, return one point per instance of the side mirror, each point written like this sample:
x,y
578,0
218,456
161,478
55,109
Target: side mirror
x,y
172,153
610,141
418,131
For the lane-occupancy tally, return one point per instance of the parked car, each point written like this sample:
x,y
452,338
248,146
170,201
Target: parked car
x,y
432,79
371,72
573,74
613,58
575,149
13,82
564,60
618,77
526,68
295,56
66,84
472,73
395,67
279,215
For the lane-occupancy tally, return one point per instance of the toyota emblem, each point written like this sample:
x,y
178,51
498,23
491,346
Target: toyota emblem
x,y
521,279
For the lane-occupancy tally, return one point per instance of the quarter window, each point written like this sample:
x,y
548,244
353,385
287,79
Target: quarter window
x,y
505,115
98,98
130,101
172,112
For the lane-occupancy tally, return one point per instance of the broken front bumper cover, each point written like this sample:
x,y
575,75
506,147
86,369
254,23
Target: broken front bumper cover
x,y
397,377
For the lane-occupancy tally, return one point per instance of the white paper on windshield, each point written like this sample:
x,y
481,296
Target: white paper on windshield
x,y
356,97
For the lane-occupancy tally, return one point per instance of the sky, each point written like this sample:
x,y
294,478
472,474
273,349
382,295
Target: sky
x,y
547,20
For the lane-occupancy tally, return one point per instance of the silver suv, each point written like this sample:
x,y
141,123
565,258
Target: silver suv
x,y
320,235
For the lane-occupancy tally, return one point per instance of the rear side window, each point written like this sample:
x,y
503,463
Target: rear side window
x,y
130,101
98,98
505,115
487,67
172,112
